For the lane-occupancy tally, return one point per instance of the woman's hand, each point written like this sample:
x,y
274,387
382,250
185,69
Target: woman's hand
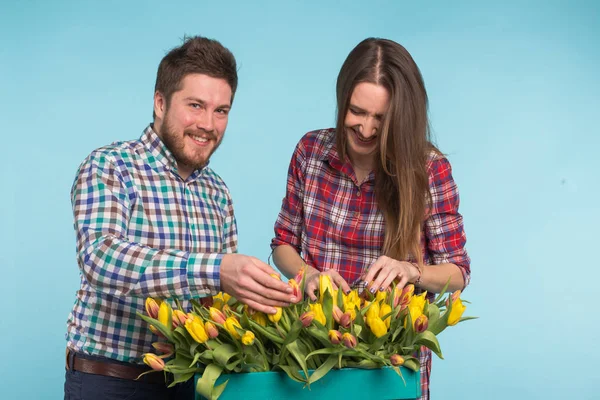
x,y
312,282
382,273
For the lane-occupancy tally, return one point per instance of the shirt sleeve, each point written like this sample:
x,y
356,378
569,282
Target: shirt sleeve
x,y
112,264
444,231
288,227
230,236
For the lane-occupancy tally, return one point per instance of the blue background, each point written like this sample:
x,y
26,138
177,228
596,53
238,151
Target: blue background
x,y
514,103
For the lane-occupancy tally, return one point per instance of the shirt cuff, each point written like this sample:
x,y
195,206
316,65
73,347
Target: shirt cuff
x,y
204,274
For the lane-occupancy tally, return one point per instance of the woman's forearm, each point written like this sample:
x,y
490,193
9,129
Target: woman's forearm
x,y
287,260
435,277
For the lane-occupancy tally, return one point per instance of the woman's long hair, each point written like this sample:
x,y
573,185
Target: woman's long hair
x,y
401,178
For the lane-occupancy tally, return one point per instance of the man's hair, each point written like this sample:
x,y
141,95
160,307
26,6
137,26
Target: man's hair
x,y
197,55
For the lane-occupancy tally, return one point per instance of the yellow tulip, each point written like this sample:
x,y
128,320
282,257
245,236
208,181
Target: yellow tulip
x,y
163,313
230,324
260,318
416,306
377,326
154,361
381,296
457,311
385,309
248,338
317,308
373,311
296,292
402,296
351,303
277,316
195,328
325,285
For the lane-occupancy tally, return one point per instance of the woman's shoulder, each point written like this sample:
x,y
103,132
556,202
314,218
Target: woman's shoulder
x,y
317,143
437,163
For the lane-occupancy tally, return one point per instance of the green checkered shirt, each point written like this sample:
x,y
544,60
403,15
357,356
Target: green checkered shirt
x,y
142,231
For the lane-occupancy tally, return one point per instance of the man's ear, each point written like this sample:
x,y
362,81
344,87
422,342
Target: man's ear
x,y
160,105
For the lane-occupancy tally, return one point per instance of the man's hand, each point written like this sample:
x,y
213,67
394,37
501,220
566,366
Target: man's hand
x,y
312,282
382,273
248,280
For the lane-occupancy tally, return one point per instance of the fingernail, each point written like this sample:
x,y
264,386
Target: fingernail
x,y
293,299
272,311
381,289
372,290
347,291
288,290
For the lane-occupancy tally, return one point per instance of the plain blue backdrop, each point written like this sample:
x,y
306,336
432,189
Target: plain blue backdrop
x,y
514,103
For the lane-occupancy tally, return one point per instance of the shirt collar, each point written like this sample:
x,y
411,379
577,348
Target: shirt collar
x,y
161,155
330,154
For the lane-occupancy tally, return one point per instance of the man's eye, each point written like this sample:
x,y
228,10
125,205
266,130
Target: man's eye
x,y
222,111
194,105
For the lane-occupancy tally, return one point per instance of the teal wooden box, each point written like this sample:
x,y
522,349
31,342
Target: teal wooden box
x,y
347,384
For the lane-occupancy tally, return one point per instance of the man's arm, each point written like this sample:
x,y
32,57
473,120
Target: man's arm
x,y
112,264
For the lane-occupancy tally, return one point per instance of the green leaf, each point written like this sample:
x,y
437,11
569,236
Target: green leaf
x,y
300,358
330,350
180,378
207,381
320,335
442,292
323,369
412,364
223,354
429,340
293,374
328,309
166,331
217,391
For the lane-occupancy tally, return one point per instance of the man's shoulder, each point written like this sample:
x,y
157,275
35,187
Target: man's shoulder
x,y
209,175
116,153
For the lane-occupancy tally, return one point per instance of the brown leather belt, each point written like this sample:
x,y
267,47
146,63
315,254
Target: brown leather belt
x,y
130,372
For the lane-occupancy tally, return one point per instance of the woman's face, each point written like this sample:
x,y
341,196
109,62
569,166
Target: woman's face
x,y
368,105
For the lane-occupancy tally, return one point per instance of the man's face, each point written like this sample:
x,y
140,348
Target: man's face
x,y
193,124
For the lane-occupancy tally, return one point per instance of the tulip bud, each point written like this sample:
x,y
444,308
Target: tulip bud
x,y
249,311
179,318
231,324
226,309
335,336
307,318
454,296
166,349
154,361
152,307
404,296
211,329
373,311
324,286
349,340
296,292
337,314
421,323
397,360
163,313
300,275
216,315
195,328
457,311
277,316
248,338
346,319
156,331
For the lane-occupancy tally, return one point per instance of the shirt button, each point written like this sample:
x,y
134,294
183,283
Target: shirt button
x,y
358,193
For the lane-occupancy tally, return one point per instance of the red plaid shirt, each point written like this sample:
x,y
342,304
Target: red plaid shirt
x,y
334,222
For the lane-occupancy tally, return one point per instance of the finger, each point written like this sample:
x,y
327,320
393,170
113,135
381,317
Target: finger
x,y
341,282
267,281
384,273
388,281
374,269
310,289
253,283
252,296
260,307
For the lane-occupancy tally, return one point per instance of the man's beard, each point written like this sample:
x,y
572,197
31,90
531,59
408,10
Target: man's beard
x,y
175,142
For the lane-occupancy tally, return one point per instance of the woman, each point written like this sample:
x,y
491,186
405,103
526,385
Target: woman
x,y
373,200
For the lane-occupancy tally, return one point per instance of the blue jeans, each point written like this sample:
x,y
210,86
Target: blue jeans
x,y
82,386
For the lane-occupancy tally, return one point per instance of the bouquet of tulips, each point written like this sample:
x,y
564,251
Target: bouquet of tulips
x,y
305,340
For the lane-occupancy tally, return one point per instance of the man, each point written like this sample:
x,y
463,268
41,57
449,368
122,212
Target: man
x,y
152,219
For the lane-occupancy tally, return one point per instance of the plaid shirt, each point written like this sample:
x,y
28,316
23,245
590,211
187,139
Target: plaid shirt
x,y
334,222
142,231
